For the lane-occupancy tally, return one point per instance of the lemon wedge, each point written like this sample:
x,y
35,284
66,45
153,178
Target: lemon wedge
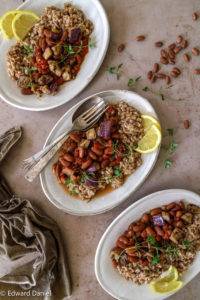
x,y
150,141
22,23
148,121
166,287
6,23
167,283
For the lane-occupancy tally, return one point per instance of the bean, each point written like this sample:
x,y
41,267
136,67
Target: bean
x,y
132,259
105,163
182,205
145,218
86,164
196,71
164,53
176,207
68,171
64,35
120,244
130,233
108,151
63,162
138,228
62,179
68,157
140,38
150,75
75,137
159,44
155,211
161,75
184,44
123,239
195,51
172,46
179,39
156,67
164,60
121,47
159,231
171,54
92,155
144,234
179,213
186,57
150,231
98,152
131,252
26,91
144,262
81,152
114,263
170,206
194,16
177,49
179,224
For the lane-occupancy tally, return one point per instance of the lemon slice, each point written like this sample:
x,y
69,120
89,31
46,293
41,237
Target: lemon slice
x,y
166,287
170,275
6,23
22,23
148,121
150,141
167,283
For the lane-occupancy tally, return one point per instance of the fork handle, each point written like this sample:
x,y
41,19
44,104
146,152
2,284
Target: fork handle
x,y
39,154
34,171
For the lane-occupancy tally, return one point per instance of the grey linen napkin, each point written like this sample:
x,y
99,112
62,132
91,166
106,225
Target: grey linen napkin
x,y
31,253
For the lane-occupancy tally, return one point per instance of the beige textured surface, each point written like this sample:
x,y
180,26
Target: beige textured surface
x,y
158,19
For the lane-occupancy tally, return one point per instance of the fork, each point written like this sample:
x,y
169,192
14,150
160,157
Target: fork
x,y
35,164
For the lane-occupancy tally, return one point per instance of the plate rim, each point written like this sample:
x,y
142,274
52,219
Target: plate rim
x,y
42,180
54,106
119,217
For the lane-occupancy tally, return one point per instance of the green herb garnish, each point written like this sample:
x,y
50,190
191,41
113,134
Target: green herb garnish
x,y
172,147
27,49
155,259
29,70
168,163
186,244
92,43
117,172
171,250
146,89
132,82
151,240
116,70
68,181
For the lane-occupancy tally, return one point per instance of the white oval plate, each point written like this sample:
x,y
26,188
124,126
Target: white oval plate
x,y
62,200
110,280
9,91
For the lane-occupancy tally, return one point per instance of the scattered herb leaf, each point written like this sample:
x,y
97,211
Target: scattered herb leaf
x,y
116,70
132,81
151,240
172,147
29,70
146,89
168,163
170,131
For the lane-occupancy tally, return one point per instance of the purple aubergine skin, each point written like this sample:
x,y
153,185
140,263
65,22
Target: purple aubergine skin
x,y
91,182
104,130
92,169
158,220
75,35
